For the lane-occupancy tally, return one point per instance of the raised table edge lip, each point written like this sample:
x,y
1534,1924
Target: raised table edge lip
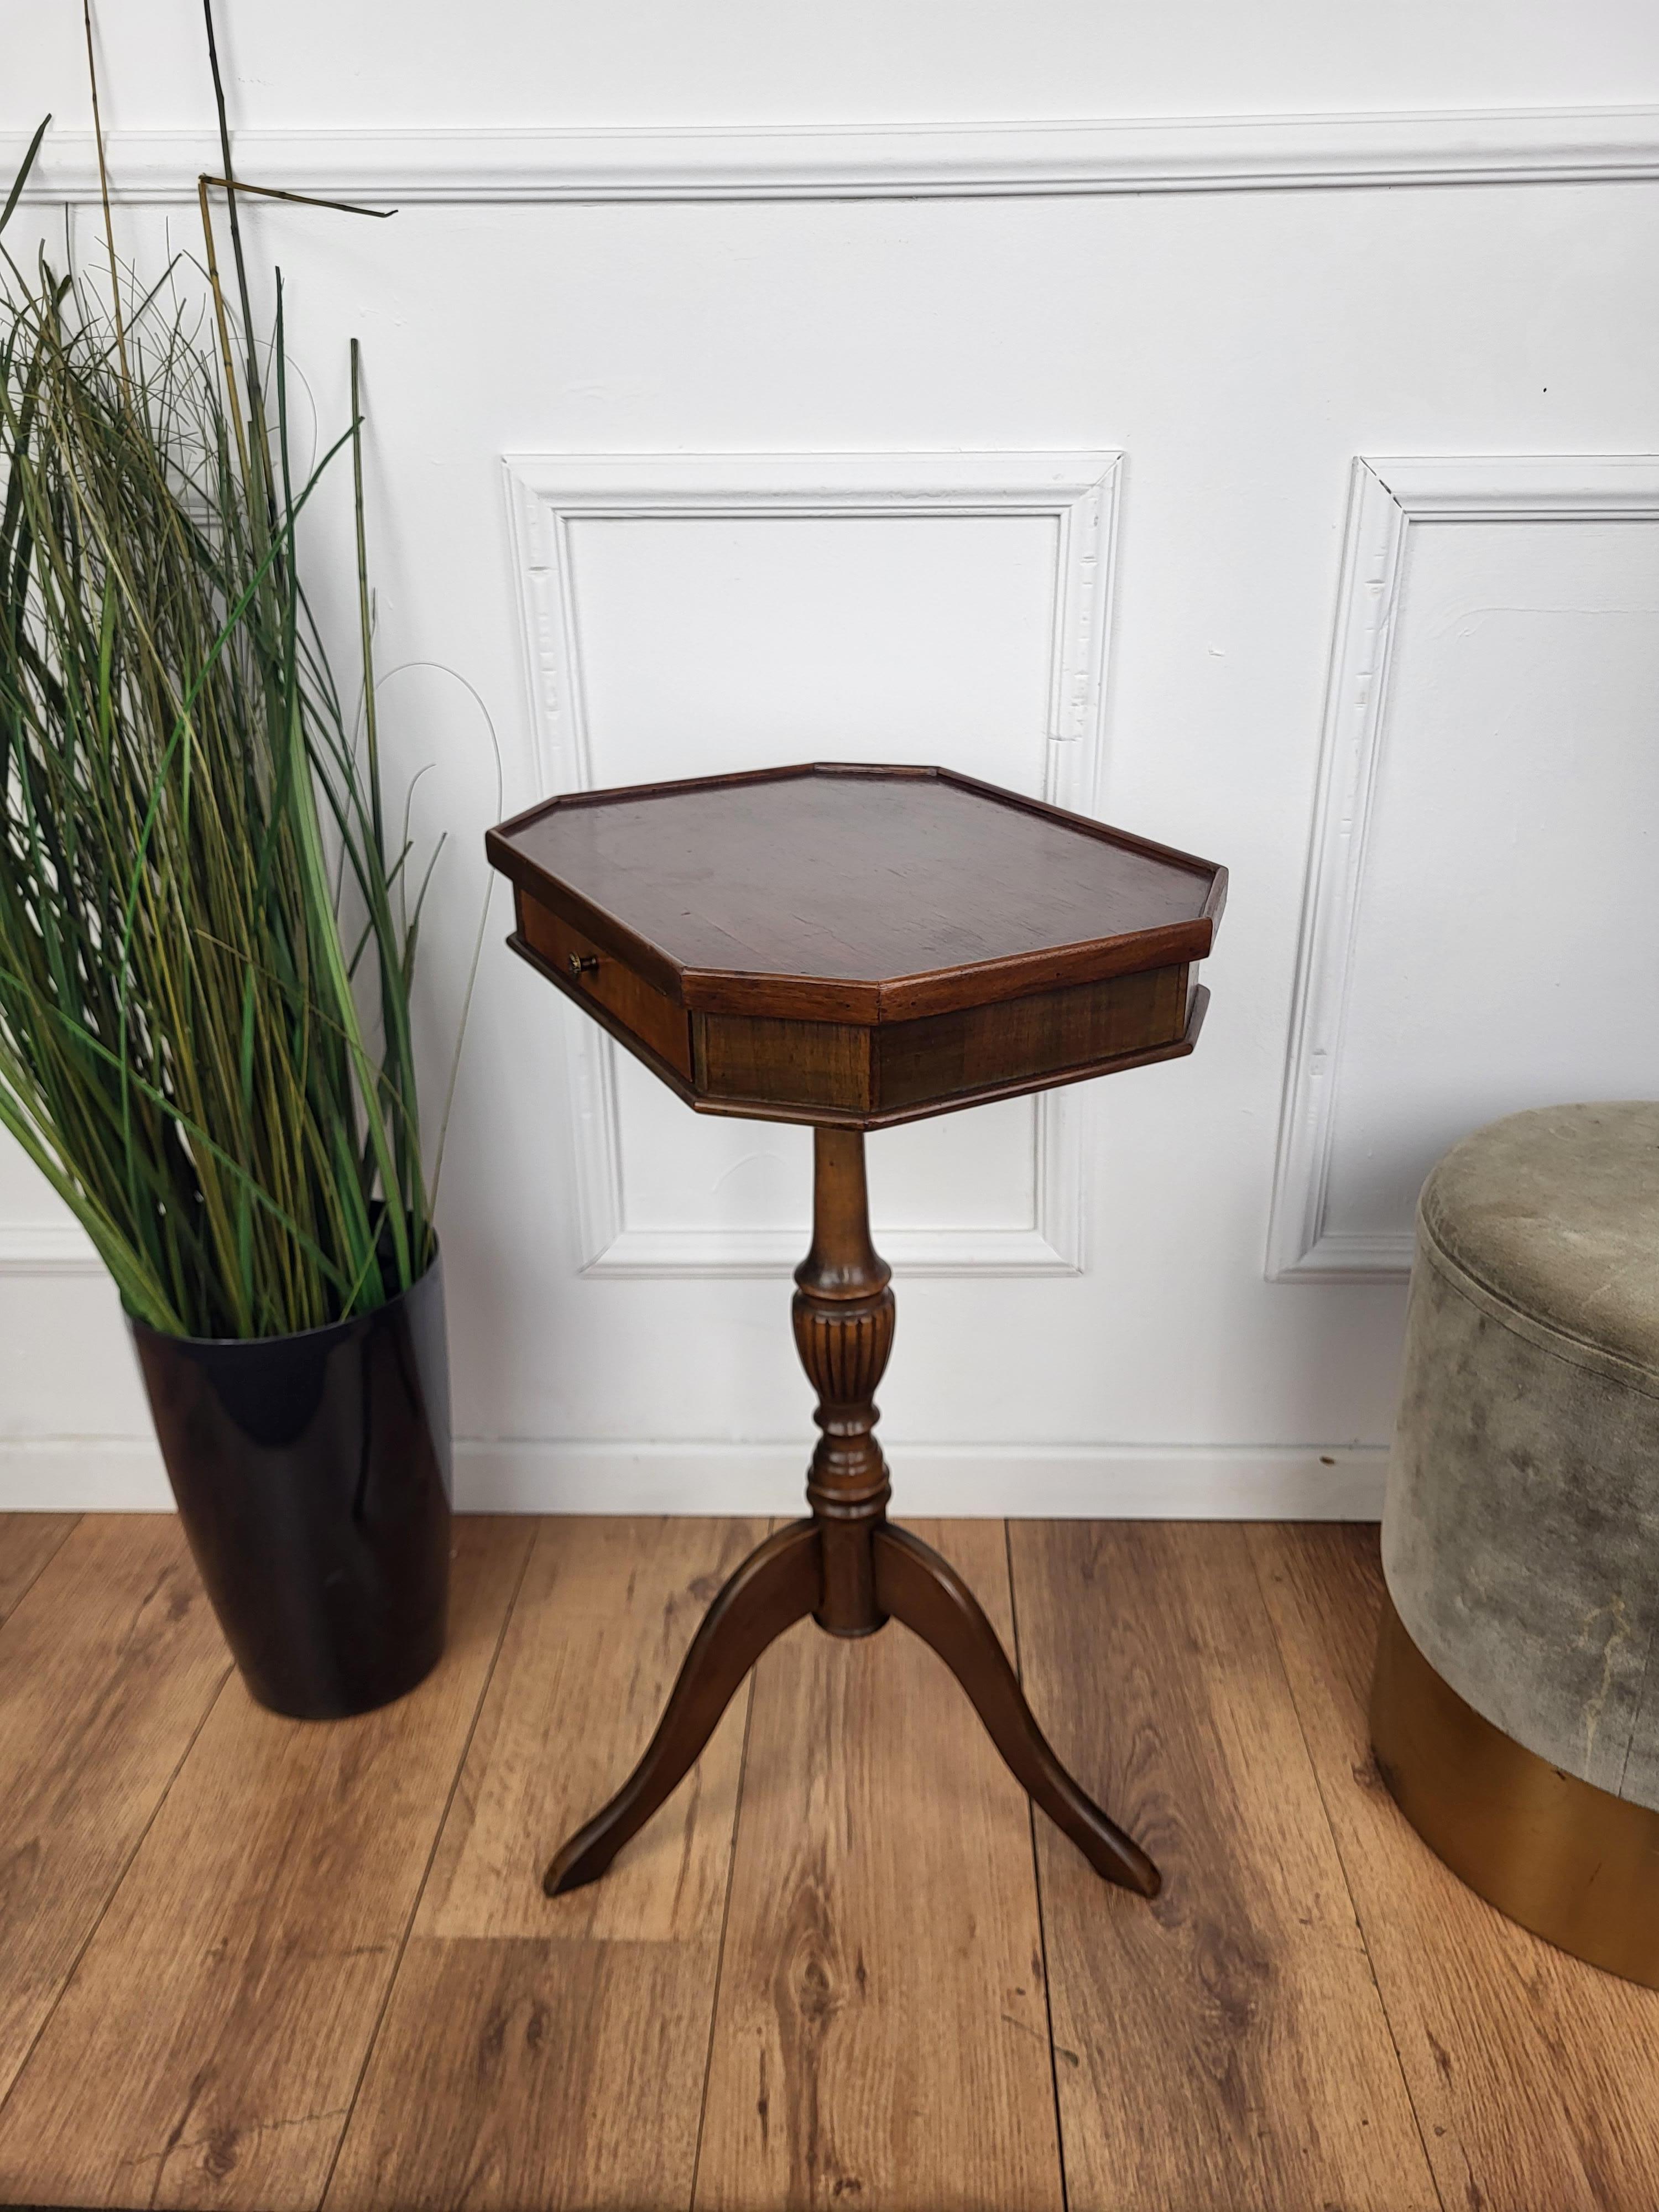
x,y
710,990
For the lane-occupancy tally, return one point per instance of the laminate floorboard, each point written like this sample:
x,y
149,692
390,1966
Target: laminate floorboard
x,y
210,2043
1536,2077
1224,2046
881,2039
109,1662
249,1963
569,2069
28,1540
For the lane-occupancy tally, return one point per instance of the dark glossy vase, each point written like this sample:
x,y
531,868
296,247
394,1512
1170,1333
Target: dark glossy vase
x,y
312,1476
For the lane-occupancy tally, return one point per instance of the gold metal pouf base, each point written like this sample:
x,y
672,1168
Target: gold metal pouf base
x,y
1573,1863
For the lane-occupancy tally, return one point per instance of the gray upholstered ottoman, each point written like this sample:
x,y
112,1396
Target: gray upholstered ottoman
x,y
1516,1714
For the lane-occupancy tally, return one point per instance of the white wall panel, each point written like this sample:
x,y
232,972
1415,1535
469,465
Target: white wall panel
x,y
1482,932
310,62
886,631
680,612
1239,347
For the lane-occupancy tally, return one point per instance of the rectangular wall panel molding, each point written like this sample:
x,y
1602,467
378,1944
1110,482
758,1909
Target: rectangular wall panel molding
x,y
1389,499
908,160
1076,494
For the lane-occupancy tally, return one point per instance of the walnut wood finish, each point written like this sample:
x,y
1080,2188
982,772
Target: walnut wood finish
x,y
844,1315
860,945
832,892
642,1009
848,1565
794,1071
851,947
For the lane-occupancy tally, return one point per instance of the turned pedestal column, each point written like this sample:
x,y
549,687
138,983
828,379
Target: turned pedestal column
x,y
844,1312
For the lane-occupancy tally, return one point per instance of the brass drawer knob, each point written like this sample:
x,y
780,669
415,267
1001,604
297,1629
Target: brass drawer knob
x,y
583,963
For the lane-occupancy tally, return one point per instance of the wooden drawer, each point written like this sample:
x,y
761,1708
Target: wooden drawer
x,y
903,1068
1027,1039
802,1064
661,1025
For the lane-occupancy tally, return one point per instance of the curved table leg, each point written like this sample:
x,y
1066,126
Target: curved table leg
x,y
917,1587
777,1585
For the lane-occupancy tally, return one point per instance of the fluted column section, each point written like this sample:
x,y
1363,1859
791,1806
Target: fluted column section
x,y
844,1314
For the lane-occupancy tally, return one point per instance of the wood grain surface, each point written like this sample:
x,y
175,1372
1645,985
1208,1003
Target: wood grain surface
x,y
570,2070
108,1665
816,1977
1535,2076
28,1540
855,893
607,1609
855,944
1224,2046
209,2046
881,2033
1036,1035
646,1011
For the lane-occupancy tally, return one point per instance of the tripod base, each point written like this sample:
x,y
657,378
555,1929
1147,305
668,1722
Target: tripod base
x,y
848,1566
780,1583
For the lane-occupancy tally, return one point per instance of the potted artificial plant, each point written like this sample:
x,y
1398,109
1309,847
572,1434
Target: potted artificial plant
x,y
207,941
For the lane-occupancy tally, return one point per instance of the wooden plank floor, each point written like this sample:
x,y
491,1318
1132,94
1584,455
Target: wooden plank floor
x,y
248,1963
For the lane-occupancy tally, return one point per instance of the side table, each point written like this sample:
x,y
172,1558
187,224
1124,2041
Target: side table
x,y
854,947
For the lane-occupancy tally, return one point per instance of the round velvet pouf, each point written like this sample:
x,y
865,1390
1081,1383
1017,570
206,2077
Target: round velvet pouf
x,y
1515,1709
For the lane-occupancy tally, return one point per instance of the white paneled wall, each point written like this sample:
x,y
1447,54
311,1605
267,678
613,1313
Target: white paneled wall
x,y
905,606
1013,388
1483,932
